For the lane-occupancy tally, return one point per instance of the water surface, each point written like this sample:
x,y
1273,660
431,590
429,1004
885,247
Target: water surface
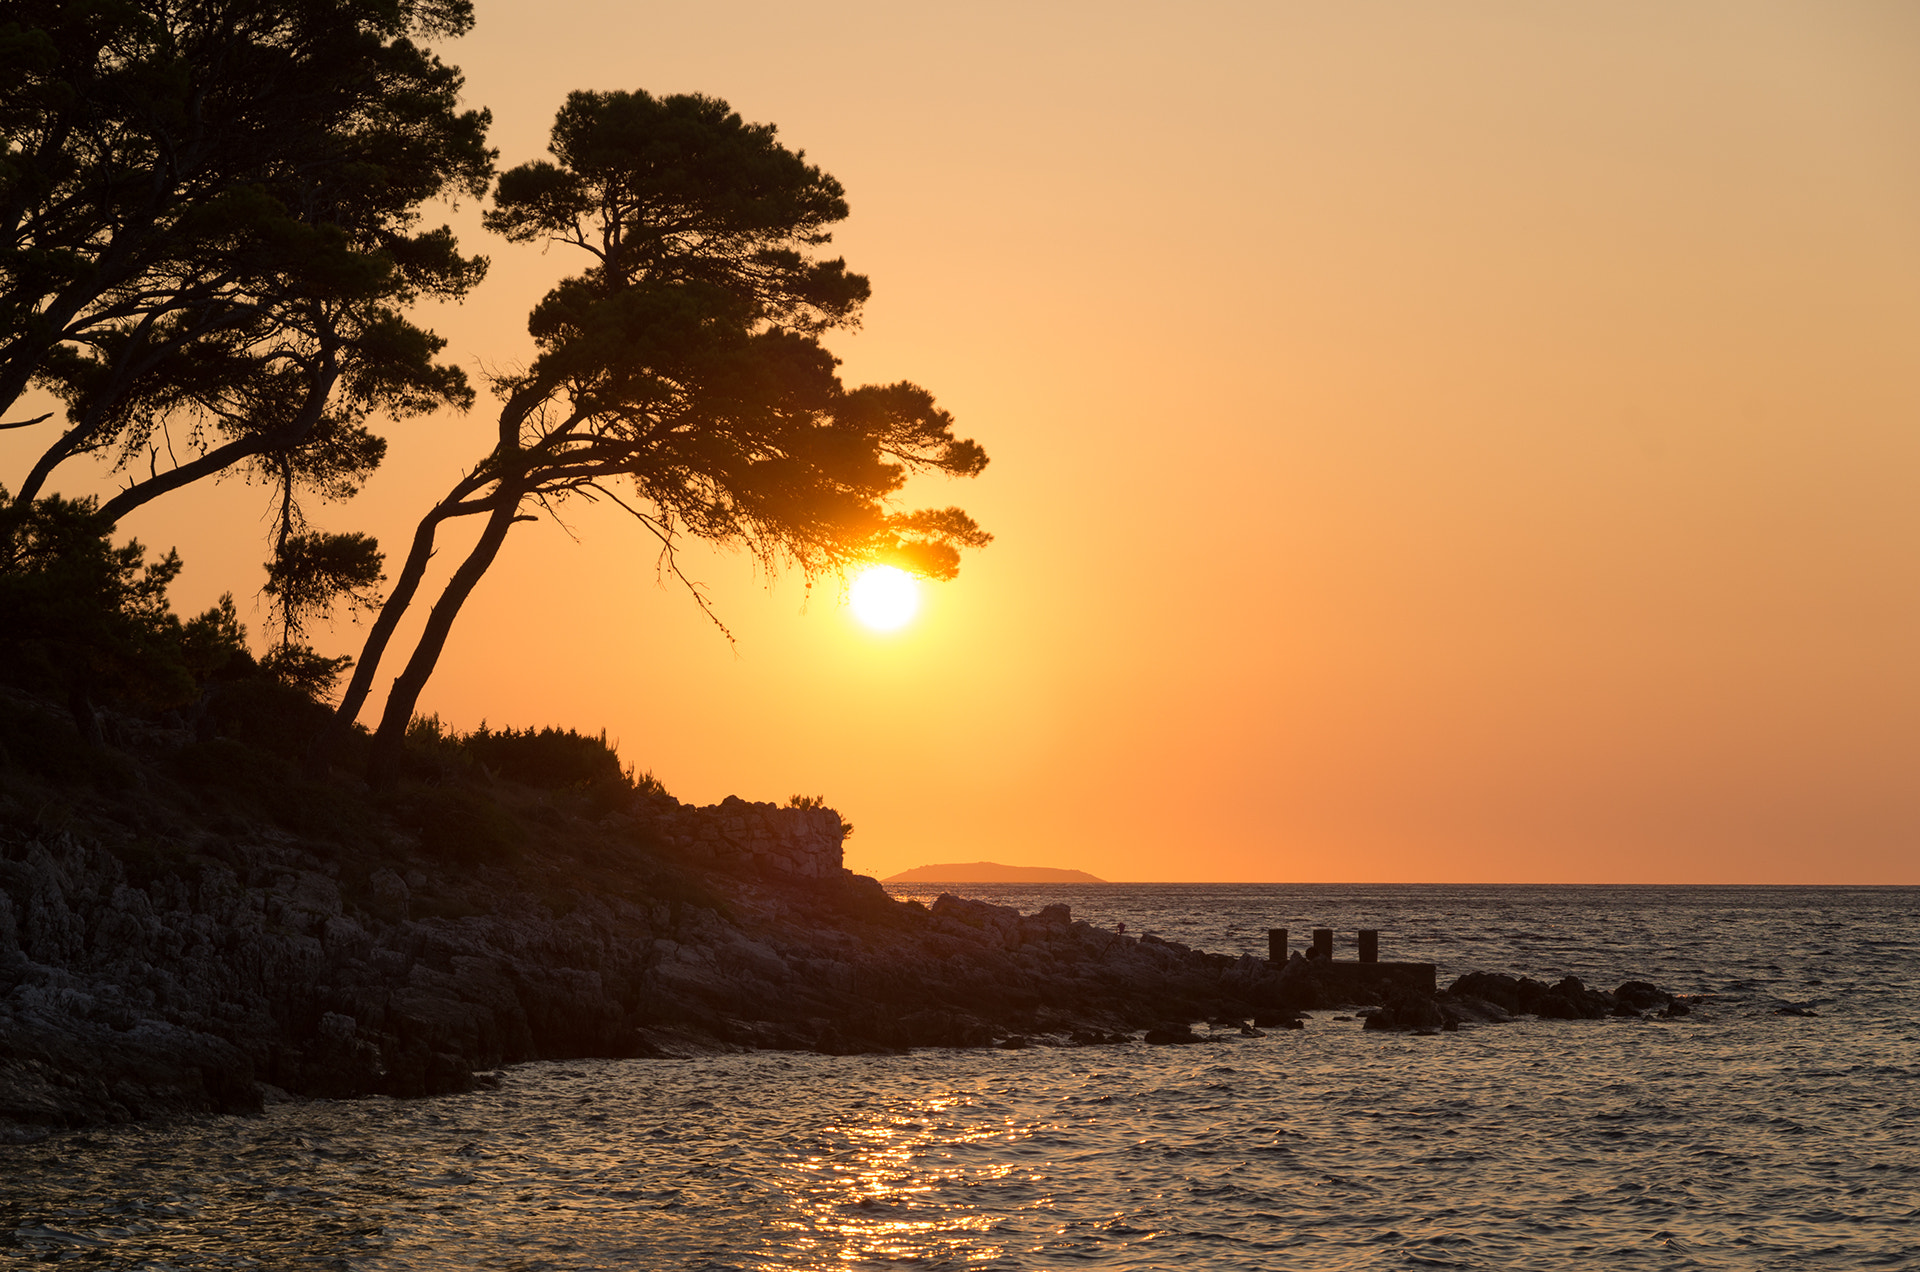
x,y
1737,1138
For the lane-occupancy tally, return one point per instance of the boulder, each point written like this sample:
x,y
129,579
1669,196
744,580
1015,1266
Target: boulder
x,y
1405,1010
1641,996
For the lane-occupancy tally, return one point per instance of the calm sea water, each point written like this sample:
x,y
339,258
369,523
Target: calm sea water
x,y
1736,1138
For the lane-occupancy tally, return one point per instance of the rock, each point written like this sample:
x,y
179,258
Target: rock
x,y
1487,997
1172,1035
1504,992
1467,1010
1569,999
1641,996
1405,1010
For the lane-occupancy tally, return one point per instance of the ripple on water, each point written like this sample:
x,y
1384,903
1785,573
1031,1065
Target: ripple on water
x,y
1745,1140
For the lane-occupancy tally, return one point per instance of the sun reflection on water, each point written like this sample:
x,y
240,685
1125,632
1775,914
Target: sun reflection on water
x,y
895,1189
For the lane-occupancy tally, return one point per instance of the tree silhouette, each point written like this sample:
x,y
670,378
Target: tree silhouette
x,y
681,374
91,621
210,226
310,573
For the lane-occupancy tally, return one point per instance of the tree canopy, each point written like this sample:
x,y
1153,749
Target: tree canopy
x,y
211,242
681,375
210,231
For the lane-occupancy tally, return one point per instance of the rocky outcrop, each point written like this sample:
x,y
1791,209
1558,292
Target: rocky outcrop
x,y
803,842
135,982
125,997
1485,996
144,974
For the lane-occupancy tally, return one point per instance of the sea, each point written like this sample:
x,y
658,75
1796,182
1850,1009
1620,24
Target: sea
x,y
1737,1137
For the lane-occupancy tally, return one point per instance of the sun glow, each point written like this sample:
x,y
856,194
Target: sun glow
x,y
883,598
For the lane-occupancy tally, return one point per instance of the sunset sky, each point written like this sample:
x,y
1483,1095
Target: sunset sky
x,y
1429,443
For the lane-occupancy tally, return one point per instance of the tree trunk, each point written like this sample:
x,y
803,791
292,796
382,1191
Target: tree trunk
x,y
412,679
407,585
327,747
404,588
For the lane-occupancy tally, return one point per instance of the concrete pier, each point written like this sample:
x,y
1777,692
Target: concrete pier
x,y
1276,945
1347,978
1364,978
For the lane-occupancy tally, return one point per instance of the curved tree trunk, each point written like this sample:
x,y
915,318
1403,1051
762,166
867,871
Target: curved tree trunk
x,y
460,502
326,748
407,686
384,623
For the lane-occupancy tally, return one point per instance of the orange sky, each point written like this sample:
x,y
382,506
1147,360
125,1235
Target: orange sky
x,y
1470,442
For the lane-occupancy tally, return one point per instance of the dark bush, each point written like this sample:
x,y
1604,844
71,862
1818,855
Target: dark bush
x,y
551,759
35,740
89,622
265,714
262,781
457,824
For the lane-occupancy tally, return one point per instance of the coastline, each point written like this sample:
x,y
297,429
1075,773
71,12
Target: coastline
x,y
190,926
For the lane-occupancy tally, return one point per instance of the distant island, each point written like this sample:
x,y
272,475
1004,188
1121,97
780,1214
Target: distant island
x,y
991,872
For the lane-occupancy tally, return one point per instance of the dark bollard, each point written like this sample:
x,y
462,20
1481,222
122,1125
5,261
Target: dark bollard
x,y
1369,945
1323,943
1276,945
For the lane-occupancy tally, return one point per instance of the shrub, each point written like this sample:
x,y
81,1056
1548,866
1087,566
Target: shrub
x,y
457,824
261,781
265,713
38,741
299,668
91,622
432,753
550,759
818,802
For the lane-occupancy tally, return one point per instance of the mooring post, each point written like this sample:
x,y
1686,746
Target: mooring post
x,y
1369,945
1323,943
1276,945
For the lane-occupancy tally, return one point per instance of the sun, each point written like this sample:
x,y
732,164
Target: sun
x,y
883,598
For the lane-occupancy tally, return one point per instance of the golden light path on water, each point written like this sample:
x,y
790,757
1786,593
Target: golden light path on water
x,y
887,1172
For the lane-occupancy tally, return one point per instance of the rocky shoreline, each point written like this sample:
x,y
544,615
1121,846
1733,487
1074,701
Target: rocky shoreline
x,y
134,990
189,923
